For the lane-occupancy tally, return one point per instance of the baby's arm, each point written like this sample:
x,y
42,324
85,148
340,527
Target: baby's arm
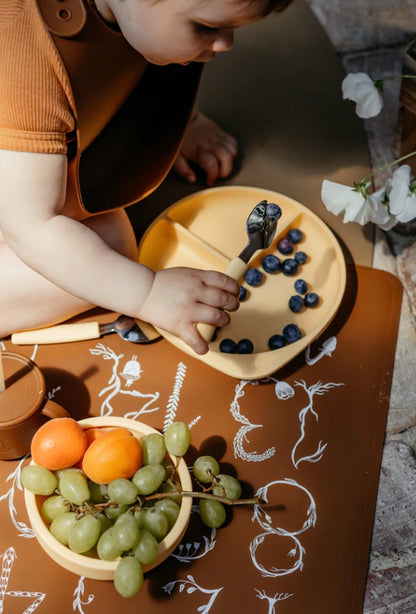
x,y
208,146
76,259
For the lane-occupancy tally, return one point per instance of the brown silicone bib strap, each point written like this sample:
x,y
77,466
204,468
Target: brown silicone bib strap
x,y
63,17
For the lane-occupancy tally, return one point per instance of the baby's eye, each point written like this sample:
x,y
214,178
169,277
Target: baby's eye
x,y
203,29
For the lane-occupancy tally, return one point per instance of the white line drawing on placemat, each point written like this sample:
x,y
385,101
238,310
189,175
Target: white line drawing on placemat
x,y
318,389
115,383
78,604
173,402
328,346
241,435
272,600
9,557
24,530
187,552
265,522
191,586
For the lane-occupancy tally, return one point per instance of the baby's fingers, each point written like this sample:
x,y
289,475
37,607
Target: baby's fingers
x,y
207,315
221,281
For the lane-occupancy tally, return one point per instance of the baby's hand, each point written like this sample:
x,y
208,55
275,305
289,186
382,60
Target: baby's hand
x,y
208,146
181,297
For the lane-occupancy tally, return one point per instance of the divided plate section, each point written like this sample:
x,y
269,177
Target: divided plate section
x,y
168,244
207,229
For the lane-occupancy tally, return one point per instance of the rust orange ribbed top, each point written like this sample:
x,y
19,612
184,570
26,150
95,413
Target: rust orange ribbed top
x,y
36,103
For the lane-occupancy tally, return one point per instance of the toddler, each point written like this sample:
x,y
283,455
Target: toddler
x,y
63,247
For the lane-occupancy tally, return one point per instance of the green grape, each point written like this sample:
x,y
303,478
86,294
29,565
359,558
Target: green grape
x,y
114,511
73,486
122,491
204,467
169,467
155,521
177,438
84,534
98,492
139,515
148,478
53,506
169,508
61,526
38,480
154,448
147,549
227,486
125,532
212,513
106,549
172,487
128,576
106,523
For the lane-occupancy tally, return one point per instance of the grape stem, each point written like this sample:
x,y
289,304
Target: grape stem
x,y
206,495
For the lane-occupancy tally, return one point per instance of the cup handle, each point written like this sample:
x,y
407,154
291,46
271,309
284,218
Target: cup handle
x,y
53,410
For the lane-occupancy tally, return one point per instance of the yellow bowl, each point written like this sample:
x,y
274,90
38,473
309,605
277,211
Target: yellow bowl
x,y
92,567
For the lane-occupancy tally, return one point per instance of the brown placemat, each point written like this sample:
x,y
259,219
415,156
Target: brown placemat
x,y
310,440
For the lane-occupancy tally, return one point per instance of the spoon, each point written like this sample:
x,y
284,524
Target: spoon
x,y
124,326
261,228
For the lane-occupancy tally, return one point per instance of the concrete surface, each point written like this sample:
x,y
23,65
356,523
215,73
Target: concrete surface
x,y
371,37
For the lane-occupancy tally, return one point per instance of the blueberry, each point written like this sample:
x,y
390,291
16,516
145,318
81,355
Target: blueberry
x,y
285,246
273,212
276,342
291,333
289,266
253,277
295,303
301,286
245,346
295,235
311,299
270,263
243,293
300,257
228,346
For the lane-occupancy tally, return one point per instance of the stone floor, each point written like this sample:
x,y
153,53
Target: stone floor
x,y
371,37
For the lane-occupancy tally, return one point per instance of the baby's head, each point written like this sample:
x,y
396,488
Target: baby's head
x,y
183,31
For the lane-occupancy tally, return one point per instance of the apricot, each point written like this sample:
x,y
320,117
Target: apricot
x,y
58,444
114,454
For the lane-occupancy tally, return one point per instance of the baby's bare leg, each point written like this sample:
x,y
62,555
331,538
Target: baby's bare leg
x,y
28,300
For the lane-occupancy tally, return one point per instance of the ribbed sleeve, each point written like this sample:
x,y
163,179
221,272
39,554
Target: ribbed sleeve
x,y
36,106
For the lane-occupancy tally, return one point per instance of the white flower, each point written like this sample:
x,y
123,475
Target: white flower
x,y
355,202
381,215
365,92
402,197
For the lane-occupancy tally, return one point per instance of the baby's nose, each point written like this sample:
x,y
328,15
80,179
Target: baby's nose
x,y
223,41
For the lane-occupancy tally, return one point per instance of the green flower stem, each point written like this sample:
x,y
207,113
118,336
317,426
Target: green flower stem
x,y
386,166
397,77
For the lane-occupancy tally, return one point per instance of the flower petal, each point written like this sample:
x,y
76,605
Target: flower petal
x,y
350,83
336,196
360,88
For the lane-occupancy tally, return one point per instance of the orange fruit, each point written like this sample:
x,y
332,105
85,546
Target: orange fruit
x,y
58,444
94,432
115,454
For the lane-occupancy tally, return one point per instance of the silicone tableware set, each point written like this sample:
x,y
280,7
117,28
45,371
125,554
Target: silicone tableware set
x,y
206,230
